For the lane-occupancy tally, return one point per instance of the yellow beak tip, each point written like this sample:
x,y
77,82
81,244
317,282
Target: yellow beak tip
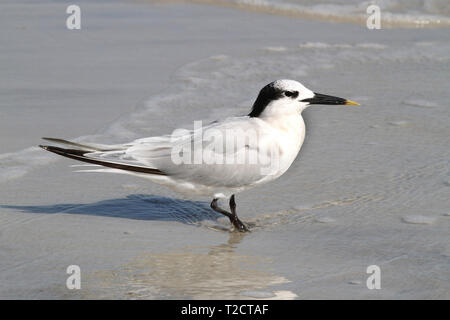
x,y
351,103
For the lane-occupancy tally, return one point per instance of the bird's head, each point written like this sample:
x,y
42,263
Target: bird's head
x,y
290,96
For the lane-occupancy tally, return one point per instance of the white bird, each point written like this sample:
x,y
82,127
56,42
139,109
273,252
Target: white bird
x,y
221,159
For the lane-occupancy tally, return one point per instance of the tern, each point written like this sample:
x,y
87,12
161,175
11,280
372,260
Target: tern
x,y
219,159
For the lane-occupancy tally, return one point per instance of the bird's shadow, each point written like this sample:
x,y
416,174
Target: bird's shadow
x,y
135,206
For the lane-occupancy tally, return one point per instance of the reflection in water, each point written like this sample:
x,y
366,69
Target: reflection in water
x,y
191,273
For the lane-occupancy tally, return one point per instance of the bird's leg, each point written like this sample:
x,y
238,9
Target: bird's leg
x,y
216,208
232,216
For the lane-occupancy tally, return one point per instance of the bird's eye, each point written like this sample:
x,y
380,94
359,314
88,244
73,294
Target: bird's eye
x,y
292,94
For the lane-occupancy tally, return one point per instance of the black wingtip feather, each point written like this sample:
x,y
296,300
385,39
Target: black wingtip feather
x,y
80,156
65,152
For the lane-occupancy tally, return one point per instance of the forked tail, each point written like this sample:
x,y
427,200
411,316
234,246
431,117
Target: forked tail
x,y
84,156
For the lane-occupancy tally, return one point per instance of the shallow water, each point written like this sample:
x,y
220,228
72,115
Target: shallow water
x,y
394,13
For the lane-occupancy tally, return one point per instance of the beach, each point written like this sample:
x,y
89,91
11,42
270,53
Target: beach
x,y
371,185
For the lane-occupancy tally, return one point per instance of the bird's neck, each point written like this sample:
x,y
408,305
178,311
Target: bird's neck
x,y
290,123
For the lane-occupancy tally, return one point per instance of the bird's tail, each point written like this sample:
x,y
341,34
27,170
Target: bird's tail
x,y
87,146
88,156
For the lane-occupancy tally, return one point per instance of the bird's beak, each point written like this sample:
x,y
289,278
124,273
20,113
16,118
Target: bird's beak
x,y
325,99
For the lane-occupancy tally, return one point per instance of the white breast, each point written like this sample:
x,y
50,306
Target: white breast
x,y
288,136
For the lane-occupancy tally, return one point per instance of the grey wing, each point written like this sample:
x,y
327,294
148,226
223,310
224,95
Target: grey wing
x,y
232,153
205,156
